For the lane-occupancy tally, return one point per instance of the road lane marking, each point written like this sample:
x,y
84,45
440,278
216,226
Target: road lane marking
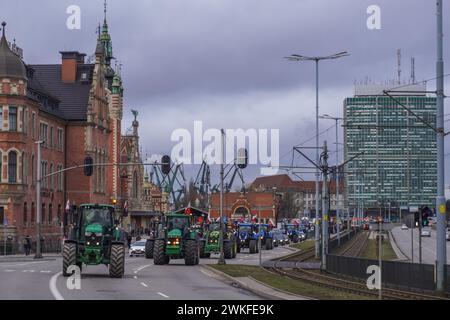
x,y
135,277
163,295
139,269
45,271
207,273
9,270
53,288
143,284
28,271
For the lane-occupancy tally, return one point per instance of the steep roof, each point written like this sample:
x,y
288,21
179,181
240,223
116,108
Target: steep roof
x,y
11,66
280,180
73,97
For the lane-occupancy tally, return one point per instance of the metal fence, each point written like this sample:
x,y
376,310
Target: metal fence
x,y
447,277
394,274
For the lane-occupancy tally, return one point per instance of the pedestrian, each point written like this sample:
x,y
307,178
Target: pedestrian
x,y
27,245
129,240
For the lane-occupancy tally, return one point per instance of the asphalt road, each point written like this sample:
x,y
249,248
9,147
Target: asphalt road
x,y
142,280
403,240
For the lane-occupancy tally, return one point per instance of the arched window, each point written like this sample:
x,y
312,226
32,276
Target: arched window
x,y
12,167
59,214
52,178
25,213
50,213
33,213
135,185
33,171
43,213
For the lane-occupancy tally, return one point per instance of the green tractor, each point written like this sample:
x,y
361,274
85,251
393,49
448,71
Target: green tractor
x,y
211,241
150,243
177,239
95,239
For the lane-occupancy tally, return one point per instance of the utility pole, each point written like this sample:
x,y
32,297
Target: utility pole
x,y
259,235
38,254
221,258
441,250
324,207
317,59
420,237
379,256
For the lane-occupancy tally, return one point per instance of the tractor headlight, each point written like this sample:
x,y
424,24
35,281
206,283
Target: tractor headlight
x,y
88,243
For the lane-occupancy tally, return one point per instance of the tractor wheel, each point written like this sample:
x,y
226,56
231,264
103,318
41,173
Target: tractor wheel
x,y
69,257
117,261
238,247
203,254
149,249
159,254
252,246
191,254
234,248
227,249
268,244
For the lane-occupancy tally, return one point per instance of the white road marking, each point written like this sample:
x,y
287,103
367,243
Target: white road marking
x,y
53,288
207,273
45,271
163,295
143,284
28,271
139,269
135,277
9,270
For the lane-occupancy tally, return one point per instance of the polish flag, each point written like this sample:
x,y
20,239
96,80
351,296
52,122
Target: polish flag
x,y
68,205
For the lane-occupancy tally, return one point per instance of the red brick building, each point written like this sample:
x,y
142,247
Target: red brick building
x,y
75,108
264,205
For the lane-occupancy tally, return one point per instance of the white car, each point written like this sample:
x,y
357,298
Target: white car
x,y
404,227
425,233
137,248
447,236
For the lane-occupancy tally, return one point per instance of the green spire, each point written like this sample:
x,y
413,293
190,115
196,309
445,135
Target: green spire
x,y
105,38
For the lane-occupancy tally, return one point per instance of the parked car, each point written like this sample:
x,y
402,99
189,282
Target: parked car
x,y
302,236
425,233
404,227
278,238
447,236
137,248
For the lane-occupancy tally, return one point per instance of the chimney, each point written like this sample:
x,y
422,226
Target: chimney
x,y
70,61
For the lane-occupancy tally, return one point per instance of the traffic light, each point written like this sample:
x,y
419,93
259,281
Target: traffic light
x,y
165,164
242,158
88,169
416,218
425,214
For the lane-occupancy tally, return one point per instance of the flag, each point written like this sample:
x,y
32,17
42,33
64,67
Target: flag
x,y
255,218
68,205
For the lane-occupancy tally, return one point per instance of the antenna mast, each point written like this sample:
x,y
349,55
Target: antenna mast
x,y
399,60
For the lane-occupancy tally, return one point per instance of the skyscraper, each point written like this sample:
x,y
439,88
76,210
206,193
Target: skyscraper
x,y
397,147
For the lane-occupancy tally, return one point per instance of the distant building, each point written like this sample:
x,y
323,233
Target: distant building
x,y
74,107
264,205
398,164
301,195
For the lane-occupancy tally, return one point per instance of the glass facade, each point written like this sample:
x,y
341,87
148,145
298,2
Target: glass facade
x,y
398,164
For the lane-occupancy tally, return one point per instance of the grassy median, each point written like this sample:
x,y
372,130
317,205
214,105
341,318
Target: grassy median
x,y
371,251
287,284
305,245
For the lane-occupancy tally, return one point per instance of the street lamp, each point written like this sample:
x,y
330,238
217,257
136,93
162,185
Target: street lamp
x,y
300,58
338,200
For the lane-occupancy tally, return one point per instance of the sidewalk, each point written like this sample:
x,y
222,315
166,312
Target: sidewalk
x,y
23,257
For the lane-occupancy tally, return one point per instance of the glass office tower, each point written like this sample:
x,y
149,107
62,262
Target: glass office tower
x,y
397,149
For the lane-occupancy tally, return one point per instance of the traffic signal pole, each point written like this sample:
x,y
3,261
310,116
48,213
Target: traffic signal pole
x,y
441,252
38,254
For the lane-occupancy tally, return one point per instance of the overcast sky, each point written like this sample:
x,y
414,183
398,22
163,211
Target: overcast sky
x,y
221,61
